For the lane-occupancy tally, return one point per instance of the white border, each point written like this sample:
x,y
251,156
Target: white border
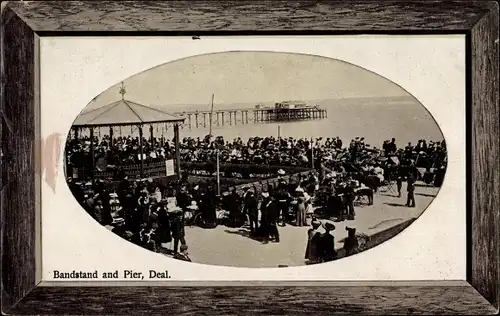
x,y
431,68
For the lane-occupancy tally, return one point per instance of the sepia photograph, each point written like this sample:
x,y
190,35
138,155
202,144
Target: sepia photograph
x,y
255,159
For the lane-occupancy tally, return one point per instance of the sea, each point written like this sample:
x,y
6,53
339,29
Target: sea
x,y
375,119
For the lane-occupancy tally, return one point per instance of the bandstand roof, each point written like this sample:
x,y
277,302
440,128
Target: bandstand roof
x,y
124,112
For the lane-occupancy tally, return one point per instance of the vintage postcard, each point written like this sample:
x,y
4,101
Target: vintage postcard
x,y
253,158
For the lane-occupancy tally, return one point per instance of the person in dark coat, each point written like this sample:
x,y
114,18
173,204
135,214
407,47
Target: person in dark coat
x,y
164,232
183,255
313,238
439,178
327,244
177,226
143,206
183,198
272,217
410,202
349,196
399,184
351,243
233,203
251,209
208,203
283,203
98,211
264,218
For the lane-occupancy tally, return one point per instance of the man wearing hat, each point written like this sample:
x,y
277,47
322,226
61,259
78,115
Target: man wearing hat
x,y
327,243
177,226
164,231
351,243
270,215
183,198
410,202
183,255
349,196
120,228
313,238
264,221
251,209
283,200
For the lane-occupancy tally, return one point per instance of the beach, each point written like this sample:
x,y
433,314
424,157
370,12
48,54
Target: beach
x,y
233,247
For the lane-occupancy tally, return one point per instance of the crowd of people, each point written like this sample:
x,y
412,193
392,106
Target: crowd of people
x,y
154,216
302,152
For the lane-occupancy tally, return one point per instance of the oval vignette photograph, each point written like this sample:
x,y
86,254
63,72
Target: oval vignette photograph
x,y
255,159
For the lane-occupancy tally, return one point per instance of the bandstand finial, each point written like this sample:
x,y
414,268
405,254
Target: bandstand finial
x,y
122,91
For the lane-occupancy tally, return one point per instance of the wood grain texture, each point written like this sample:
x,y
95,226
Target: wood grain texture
x,y
261,300
18,138
486,158
256,16
20,19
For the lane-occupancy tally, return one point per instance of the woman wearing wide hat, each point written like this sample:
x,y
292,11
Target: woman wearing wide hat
x,y
327,243
264,226
351,243
313,238
164,231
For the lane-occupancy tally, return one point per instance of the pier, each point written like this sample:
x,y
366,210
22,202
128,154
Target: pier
x,y
230,117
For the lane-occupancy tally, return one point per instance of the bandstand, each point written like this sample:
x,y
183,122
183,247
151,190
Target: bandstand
x,y
123,113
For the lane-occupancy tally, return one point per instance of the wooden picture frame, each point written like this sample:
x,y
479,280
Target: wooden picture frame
x,y
24,22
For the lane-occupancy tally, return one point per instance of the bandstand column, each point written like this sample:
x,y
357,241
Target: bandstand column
x,y
111,136
177,150
92,157
141,151
151,134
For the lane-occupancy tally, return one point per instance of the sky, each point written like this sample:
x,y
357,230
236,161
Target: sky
x,y
249,77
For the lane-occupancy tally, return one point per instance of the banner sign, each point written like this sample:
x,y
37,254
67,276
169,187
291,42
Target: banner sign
x,y
170,170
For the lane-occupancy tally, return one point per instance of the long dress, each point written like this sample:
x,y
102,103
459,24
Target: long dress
x,y
264,220
327,247
313,246
301,215
164,231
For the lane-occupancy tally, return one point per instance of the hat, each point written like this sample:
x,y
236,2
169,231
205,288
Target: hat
x,y
175,210
118,220
328,226
193,206
281,172
316,223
